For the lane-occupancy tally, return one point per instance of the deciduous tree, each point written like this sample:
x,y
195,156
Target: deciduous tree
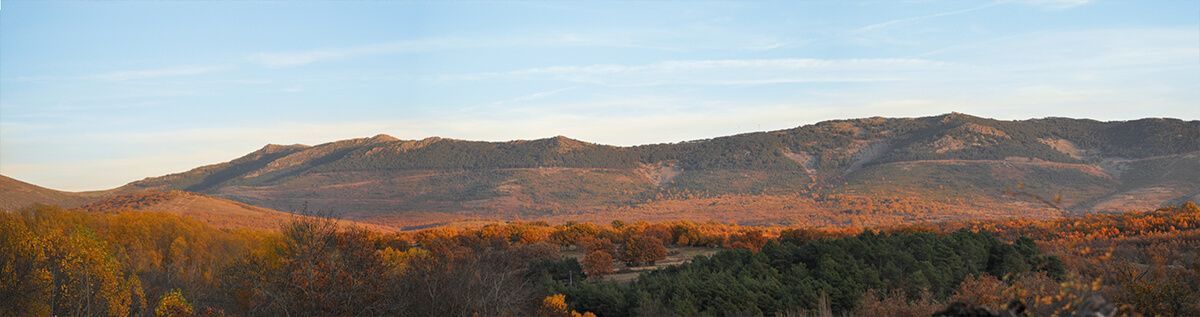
x,y
597,263
173,304
641,249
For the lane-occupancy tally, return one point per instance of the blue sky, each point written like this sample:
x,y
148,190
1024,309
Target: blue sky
x,y
97,94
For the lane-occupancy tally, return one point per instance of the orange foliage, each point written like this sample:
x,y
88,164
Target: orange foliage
x,y
597,263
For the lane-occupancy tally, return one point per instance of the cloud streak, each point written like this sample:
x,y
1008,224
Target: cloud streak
x,y
1045,4
154,73
889,23
305,57
1051,4
722,72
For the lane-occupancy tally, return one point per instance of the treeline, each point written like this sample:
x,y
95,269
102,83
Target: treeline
x,y
73,263
457,154
796,273
60,262
76,263
1133,139
1148,262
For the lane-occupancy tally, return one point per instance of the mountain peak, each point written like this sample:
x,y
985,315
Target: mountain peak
x,y
955,117
565,144
563,138
276,148
383,138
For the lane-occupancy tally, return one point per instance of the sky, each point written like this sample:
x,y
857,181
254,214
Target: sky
x,y
94,95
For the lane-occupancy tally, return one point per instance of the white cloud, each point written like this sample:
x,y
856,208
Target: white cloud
x,y
723,72
153,73
297,58
1051,4
1095,49
305,57
533,96
675,41
1044,4
908,20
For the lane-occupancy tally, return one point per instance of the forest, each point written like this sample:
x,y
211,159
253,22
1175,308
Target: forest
x,y
76,263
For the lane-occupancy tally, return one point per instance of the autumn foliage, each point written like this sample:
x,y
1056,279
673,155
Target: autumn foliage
x,y
78,263
597,263
643,250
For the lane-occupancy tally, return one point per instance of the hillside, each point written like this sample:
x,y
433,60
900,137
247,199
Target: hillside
x,y
17,194
217,212
860,171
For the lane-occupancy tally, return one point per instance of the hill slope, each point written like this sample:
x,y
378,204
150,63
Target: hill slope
x,y
834,172
220,213
16,194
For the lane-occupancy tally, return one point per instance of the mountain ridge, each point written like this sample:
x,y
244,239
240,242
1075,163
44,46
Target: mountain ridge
x,y
834,172
1057,164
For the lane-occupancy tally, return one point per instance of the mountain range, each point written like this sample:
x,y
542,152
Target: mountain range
x,y
868,171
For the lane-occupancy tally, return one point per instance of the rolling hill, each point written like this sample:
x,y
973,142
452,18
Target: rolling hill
x,y
859,171
16,194
220,213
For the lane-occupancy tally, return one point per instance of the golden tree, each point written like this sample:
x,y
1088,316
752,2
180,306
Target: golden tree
x,y
173,304
554,306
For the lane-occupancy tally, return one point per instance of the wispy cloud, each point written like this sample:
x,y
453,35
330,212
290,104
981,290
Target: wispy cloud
x,y
305,57
1051,4
639,39
153,73
722,72
909,20
532,96
1045,4
1095,49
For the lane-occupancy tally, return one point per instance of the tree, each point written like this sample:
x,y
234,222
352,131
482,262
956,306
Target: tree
x,y
173,304
597,263
314,270
641,249
982,290
597,244
87,279
752,240
24,281
554,306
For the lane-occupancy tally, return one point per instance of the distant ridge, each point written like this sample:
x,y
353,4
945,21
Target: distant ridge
x,y
833,172
839,172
